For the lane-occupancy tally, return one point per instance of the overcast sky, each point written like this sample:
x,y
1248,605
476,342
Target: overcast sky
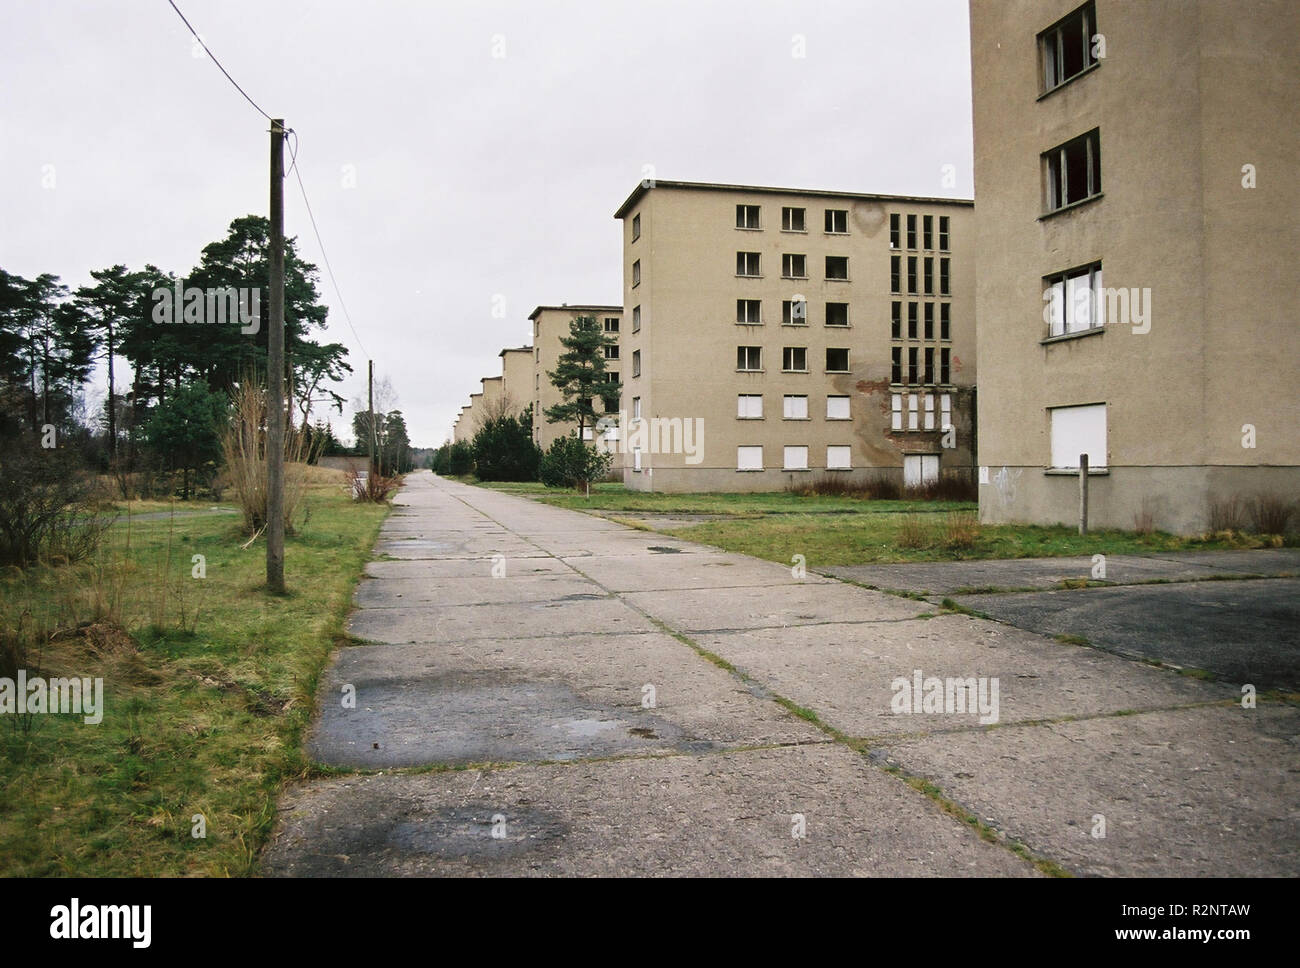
x,y
489,143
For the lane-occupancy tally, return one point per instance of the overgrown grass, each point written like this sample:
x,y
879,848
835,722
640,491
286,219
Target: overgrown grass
x,y
201,716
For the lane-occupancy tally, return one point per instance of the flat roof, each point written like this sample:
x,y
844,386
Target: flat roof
x,y
577,306
515,349
642,188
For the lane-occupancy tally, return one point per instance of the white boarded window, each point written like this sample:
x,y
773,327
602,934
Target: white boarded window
x,y
749,406
1078,430
796,458
945,411
929,411
839,457
837,408
913,413
920,469
896,412
636,408
749,458
796,408
636,458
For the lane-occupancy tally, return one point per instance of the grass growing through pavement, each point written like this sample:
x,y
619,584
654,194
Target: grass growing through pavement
x,y
205,702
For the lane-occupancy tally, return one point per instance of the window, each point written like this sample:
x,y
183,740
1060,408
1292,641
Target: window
x,y
944,286
794,312
636,273
839,457
792,220
837,267
896,320
611,352
895,273
837,221
611,324
794,359
749,406
636,459
943,233
1072,171
945,321
896,411
920,469
928,275
1066,47
945,411
837,408
927,232
927,376
945,356
636,319
748,264
749,311
636,227
929,321
1075,301
929,410
796,458
749,357
794,266
911,275
912,368
747,217
911,320
749,458
837,314
837,359
1078,430
636,408
896,364
911,231
796,408
636,363
588,433
893,230
913,414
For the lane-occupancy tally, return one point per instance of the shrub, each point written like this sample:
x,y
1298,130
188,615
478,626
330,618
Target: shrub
x,y
1271,514
572,463
960,529
243,444
370,487
48,505
912,532
460,458
1228,514
504,449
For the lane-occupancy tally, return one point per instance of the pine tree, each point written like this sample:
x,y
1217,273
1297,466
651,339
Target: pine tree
x,y
580,375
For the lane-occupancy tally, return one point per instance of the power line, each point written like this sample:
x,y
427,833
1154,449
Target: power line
x,y
217,62
293,166
293,152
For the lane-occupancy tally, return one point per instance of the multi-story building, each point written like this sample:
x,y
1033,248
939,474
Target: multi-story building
x,y
1136,232
773,335
516,379
550,324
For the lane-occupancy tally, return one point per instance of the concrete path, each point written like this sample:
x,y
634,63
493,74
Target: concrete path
x,y
548,693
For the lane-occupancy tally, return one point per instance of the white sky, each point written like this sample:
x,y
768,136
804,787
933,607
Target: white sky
x,y
476,176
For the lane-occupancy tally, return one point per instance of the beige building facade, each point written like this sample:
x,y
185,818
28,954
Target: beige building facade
x,y
772,336
1135,239
550,324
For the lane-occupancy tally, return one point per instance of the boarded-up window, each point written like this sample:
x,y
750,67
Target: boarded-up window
x,y
920,469
796,458
839,457
749,458
1078,430
837,408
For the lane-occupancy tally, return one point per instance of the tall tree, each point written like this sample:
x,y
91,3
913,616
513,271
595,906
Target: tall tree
x,y
110,305
580,374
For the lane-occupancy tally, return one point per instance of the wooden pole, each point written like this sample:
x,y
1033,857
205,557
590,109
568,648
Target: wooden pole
x,y
275,374
1083,494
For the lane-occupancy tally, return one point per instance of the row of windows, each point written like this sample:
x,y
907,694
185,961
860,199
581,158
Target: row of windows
x,y
925,330
839,457
794,359
917,411
835,221
794,406
926,275
920,369
793,266
927,232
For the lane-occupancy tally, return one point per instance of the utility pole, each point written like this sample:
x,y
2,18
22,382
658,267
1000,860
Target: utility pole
x,y
275,374
372,416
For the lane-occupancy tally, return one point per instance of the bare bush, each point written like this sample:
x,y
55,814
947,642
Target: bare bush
x,y
48,506
961,529
913,532
1270,514
371,487
243,447
1228,514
